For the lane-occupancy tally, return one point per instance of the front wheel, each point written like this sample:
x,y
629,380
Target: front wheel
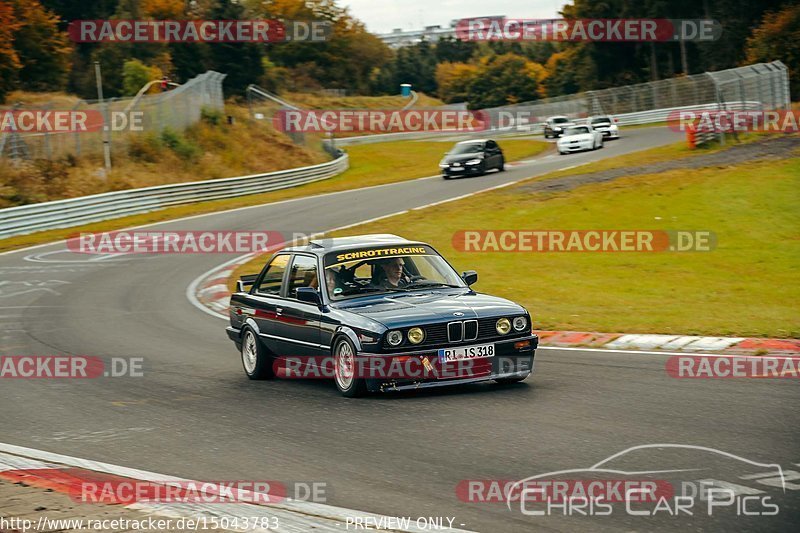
x,y
502,166
257,363
345,365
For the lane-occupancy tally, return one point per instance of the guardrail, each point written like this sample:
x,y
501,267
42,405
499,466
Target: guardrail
x,y
74,211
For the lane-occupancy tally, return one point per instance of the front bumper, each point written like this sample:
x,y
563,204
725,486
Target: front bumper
x,y
464,170
575,147
509,362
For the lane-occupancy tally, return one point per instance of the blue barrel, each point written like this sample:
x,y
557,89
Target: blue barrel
x,y
405,89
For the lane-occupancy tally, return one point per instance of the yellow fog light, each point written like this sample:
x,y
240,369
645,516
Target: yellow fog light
x,y
416,335
503,326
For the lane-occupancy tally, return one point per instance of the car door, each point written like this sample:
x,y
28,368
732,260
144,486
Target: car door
x,y
265,299
493,152
297,324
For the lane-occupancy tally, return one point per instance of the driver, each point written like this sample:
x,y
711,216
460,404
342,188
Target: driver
x,y
389,273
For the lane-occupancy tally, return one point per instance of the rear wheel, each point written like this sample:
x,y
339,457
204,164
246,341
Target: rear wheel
x,y
344,363
255,359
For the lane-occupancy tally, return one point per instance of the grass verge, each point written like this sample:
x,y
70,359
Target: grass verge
x,y
745,287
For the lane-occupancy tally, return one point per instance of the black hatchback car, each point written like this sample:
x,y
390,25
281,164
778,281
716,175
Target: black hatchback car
x,y
376,313
472,158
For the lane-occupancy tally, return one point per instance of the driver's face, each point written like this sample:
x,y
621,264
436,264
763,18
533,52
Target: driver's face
x,y
394,267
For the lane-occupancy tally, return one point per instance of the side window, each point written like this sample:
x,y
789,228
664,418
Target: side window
x,y
303,274
491,145
273,277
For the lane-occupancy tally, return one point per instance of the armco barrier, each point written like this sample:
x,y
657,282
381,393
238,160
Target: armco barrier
x,y
75,211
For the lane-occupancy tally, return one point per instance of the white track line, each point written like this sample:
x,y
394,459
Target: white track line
x,y
302,511
643,352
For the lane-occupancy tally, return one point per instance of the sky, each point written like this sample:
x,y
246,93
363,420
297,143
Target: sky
x,y
382,16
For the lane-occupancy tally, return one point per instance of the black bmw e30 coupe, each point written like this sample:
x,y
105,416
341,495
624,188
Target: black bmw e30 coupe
x,y
376,313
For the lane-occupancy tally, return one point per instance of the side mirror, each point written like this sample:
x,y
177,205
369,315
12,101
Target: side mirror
x,y
309,295
470,277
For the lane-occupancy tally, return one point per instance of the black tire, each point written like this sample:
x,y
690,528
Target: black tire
x,y
356,387
261,366
508,381
502,167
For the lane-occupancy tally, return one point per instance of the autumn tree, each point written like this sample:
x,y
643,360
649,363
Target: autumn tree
x,y
778,37
9,59
43,50
454,80
506,79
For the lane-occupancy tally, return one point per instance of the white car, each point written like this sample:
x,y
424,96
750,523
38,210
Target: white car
x,y
606,125
579,138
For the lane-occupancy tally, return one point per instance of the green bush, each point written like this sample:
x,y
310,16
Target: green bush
x,y
184,148
211,116
145,148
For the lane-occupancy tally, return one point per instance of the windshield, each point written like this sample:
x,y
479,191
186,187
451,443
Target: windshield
x,y
601,120
386,270
467,148
576,130
560,120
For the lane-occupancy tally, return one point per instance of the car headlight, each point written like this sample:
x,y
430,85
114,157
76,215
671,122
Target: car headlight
x,y
395,337
503,326
556,128
474,162
443,165
519,323
416,335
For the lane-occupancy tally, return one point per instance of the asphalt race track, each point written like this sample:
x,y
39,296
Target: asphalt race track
x,y
195,415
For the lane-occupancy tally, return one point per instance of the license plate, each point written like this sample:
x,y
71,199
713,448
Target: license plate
x,y
479,351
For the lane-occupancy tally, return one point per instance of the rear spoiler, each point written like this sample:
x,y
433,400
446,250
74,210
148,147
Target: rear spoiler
x,y
246,281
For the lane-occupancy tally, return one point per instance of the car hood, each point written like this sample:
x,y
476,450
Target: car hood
x,y
399,310
563,125
461,157
581,137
